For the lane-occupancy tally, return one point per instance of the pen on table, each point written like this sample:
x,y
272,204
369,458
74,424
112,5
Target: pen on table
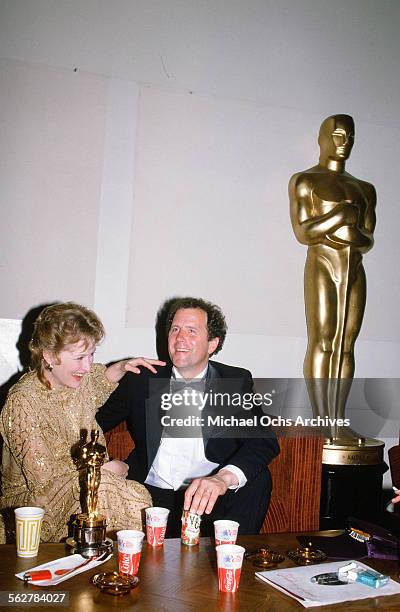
x,y
45,574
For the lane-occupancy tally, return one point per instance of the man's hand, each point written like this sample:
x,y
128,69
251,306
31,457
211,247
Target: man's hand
x,y
396,499
117,370
117,467
202,493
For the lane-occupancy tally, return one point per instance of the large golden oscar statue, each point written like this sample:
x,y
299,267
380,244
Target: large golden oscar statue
x,y
334,214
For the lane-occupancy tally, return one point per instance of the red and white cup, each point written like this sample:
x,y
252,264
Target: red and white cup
x,y
229,561
156,525
129,548
225,532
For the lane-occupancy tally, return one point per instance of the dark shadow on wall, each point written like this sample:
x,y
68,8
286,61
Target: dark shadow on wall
x,y
161,329
23,350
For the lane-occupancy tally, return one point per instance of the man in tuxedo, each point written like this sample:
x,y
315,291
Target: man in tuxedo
x,y
213,474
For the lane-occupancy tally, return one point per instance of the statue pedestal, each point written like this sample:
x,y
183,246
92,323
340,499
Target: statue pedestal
x,y
89,536
351,483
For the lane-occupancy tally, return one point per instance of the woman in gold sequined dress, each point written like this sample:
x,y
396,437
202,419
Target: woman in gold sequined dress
x,y
44,417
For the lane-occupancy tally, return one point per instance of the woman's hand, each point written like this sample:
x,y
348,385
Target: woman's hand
x,y
117,370
117,467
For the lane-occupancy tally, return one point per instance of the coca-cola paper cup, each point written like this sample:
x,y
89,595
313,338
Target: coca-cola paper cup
x,y
129,549
225,532
156,524
229,560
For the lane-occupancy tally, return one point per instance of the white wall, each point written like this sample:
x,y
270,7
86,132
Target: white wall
x,y
52,134
147,147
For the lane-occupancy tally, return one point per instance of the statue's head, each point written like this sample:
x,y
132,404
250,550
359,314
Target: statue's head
x,y
336,137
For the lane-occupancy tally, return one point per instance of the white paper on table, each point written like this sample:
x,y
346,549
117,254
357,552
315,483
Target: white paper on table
x,y
296,582
68,563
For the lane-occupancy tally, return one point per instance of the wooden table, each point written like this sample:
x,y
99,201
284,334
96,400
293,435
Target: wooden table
x,y
177,578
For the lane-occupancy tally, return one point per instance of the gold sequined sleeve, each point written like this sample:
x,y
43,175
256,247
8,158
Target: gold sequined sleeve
x,y
101,386
32,472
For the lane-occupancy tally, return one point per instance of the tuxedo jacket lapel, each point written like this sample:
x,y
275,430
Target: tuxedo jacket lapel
x,y
218,382
212,384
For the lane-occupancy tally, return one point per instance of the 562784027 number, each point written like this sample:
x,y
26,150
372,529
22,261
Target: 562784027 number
x,y
16,598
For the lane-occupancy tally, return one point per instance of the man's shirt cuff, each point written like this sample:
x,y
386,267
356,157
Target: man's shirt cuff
x,y
240,476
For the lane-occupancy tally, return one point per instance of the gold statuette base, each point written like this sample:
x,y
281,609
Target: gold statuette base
x,y
370,452
86,521
89,536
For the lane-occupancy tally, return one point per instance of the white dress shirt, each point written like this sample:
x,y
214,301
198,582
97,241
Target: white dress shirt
x,y
179,460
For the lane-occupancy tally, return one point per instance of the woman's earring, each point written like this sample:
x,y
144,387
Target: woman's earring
x,y
49,366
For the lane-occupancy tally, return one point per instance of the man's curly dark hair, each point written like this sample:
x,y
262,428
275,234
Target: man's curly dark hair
x,y
216,324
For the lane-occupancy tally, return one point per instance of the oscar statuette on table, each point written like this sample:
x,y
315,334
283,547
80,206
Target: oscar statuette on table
x,y
89,527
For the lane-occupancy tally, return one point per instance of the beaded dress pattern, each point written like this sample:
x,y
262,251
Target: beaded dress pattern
x,y
40,427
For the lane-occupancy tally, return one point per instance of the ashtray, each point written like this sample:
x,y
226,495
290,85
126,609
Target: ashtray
x,y
306,555
265,558
114,583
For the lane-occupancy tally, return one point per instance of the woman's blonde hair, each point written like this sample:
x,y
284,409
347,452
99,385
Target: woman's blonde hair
x,y
59,325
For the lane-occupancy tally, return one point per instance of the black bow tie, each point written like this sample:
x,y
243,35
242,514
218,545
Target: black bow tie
x,y
179,385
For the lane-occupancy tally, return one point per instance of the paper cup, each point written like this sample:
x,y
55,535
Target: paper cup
x,y
156,525
129,549
28,521
229,561
225,532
